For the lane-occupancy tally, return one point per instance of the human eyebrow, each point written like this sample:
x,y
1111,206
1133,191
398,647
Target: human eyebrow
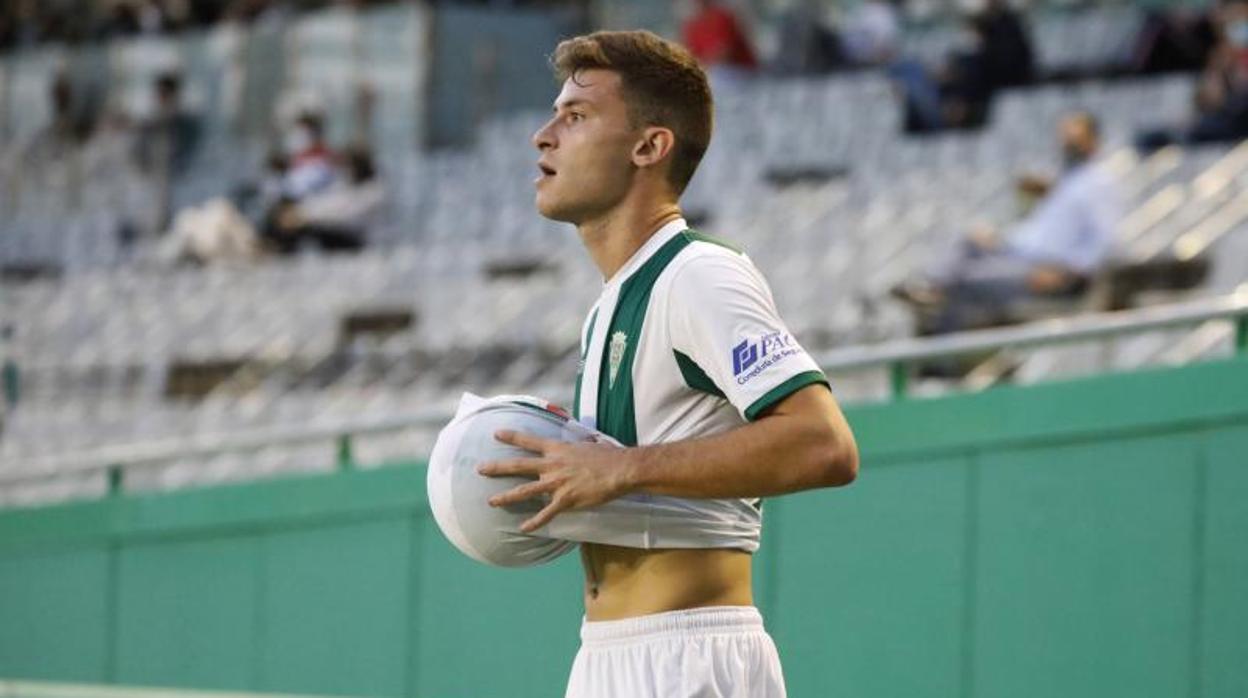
x,y
571,103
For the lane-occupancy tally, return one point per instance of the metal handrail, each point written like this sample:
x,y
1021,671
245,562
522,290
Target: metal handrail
x,y
897,356
112,458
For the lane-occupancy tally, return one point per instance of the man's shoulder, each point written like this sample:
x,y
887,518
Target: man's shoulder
x,y
706,270
697,238
706,257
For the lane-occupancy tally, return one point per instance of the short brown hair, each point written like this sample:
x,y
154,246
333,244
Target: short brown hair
x,y
662,84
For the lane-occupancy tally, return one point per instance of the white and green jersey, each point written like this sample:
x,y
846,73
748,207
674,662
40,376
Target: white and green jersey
x,y
685,341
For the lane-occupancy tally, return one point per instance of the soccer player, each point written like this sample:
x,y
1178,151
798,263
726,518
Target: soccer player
x,y
686,362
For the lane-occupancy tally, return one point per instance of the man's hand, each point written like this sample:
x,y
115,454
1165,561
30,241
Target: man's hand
x,y
984,237
575,475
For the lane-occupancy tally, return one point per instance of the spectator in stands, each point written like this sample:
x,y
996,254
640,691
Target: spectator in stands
x,y
994,53
10,377
123,20
24,23
872,34
1222,93
166,142
309,161
138,17
337,218
807,45
1174,40
30,22
1052,253
716,38
64,132
47,164
1007,54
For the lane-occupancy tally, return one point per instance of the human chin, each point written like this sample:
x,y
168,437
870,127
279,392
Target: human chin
x,y
550,206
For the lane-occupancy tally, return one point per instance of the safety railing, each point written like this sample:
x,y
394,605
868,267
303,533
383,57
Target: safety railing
x,y
898,357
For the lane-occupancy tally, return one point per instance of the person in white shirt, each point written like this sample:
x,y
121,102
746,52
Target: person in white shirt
x,y
687,364
1054,251
872,33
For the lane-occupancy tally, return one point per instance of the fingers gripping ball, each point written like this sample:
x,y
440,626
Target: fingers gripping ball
x,y
458,494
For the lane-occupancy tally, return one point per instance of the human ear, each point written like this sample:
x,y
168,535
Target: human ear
x,y
656,143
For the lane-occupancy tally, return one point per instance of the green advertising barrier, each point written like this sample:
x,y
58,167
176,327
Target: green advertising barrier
x,y
1072,539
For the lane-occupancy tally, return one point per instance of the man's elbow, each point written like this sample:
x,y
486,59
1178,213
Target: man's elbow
x,y
838,460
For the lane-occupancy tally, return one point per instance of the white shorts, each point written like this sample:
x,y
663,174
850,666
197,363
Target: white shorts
x,y
717,652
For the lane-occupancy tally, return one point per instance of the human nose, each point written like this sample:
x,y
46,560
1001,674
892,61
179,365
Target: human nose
x,y
543,138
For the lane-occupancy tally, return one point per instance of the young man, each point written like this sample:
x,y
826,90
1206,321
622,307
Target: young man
x,y
687,363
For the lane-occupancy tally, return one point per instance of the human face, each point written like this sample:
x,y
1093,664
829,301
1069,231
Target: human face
x,y
1077,139
585,151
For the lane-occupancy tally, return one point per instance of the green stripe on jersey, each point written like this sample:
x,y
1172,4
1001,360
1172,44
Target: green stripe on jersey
x,y
695,377
694,235
782,391
616,412
580,366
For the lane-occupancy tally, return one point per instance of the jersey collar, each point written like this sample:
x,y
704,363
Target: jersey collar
x,y
647,250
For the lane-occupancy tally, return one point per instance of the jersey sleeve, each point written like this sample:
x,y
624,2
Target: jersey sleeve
x,y
729,339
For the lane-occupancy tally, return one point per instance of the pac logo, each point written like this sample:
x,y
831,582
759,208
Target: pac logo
x,y
744,355
762,352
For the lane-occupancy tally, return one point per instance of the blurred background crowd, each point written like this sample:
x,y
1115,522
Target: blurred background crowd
x,y
218,214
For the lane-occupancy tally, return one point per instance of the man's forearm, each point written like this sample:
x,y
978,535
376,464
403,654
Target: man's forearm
x,y
801,443
775,455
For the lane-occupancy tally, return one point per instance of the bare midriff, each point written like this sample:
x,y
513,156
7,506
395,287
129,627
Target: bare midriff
x,y
629,582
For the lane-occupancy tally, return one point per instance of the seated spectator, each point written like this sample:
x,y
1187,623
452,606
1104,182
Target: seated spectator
x,y
1052,253
309,167
337,218
1221,95
872,34
994,53
807,45
1007,54
1174,40
715,37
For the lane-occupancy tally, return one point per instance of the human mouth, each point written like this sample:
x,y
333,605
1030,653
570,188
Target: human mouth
x,y
546,171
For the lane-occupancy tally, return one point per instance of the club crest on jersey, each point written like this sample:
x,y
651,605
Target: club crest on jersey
x,y
619,342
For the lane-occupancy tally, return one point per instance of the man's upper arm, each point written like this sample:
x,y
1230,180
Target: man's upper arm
x,y
722,319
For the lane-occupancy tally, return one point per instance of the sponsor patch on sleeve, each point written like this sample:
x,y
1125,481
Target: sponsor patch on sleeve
x,y
754,355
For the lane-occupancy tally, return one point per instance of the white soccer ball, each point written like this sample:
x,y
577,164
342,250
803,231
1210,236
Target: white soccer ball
x,y
458,494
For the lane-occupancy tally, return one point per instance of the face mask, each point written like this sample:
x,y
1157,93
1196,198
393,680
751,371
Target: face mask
x,y
1072,156
298,140
1237,34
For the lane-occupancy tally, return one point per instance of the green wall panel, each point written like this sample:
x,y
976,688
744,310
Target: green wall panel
x,y
873,575
1077,539
187,613
54,615
1084,574
335,616
489,631
1224,593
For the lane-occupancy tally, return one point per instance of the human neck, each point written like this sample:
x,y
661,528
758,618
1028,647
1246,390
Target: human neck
x,y
616,236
